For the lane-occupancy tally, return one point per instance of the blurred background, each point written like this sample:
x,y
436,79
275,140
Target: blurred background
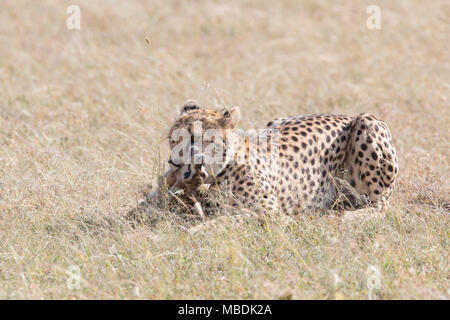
x,y
84,113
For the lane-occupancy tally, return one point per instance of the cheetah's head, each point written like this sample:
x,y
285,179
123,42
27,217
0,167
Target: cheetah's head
x,y
204,129
191,114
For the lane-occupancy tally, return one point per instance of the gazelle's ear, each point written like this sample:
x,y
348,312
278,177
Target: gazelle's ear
x,y
230,118
189,106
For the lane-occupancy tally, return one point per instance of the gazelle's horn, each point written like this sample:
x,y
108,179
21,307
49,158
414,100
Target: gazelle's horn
x,y
195,150
198,207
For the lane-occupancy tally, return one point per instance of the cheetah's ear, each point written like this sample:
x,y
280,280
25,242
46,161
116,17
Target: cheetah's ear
x,y
189,106
230,118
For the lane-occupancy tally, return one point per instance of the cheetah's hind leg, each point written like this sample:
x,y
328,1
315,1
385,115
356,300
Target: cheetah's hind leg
x,y
371,160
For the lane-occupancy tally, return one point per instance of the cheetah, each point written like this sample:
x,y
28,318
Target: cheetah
x,y
299,164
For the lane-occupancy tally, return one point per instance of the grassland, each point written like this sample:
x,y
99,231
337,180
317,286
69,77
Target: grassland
x,y
84,116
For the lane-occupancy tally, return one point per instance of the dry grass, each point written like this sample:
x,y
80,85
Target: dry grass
x,y
84,114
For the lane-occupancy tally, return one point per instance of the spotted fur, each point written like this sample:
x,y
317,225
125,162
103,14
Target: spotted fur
x,y
313,153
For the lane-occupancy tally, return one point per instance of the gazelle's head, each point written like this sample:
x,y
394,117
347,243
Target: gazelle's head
x,y
189,176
